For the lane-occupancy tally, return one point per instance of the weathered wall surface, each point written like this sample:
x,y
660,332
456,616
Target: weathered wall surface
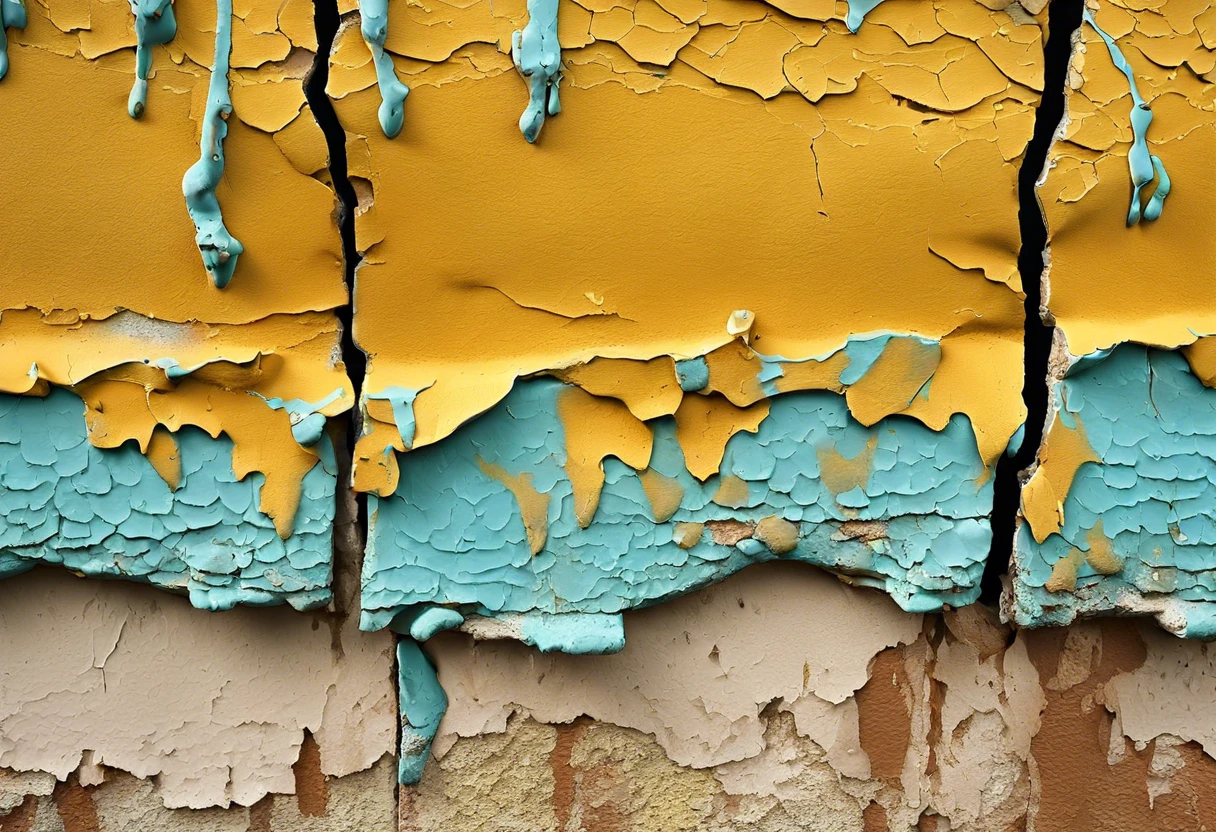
x,y
619,406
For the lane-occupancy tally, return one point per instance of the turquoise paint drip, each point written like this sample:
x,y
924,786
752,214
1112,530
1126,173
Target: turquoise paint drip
x,y
1152,425
538,57
219,249
423,704
858,9
402,401
155,25
12,15
307,422
374,26
108,513
1143,165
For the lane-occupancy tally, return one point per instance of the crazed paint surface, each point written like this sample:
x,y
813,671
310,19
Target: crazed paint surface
x,y
1135,436
896,506
199,416
1097,289
655,268
651,412
220,250
111,513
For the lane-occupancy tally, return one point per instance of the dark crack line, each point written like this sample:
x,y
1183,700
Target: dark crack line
x,y
1064,18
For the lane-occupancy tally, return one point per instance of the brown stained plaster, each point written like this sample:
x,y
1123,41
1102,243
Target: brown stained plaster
x,y
312,791
259,814
696,672
20,819
76,807
884,716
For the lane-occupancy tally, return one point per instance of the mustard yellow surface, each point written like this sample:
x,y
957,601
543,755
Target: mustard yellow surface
x,y
711,156
1155,282
101,284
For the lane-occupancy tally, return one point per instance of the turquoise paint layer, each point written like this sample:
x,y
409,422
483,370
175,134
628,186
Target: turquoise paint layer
x,y
155,25
423,704
1152,424
374,26
219,249
538,57
452,535
693,374
1142,164
573,632
12,16
107,513
858,9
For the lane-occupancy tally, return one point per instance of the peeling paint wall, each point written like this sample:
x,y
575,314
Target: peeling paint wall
x,y
524,357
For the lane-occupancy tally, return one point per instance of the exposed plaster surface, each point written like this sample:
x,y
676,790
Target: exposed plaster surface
x,y
695,672
212,705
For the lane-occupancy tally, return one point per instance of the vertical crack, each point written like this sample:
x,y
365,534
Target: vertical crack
x,y
1064,19
327,20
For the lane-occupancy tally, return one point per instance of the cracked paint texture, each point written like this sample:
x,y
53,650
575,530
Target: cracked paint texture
x,y
108,317
1118,514
1115,510
210,708
1098,289
489,519
757,140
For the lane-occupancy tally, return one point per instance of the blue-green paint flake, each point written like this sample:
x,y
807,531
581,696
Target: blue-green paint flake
x,y
155,25
693,374
1143,165
307,420
538,57
12,16
858,9
108,513
453,535
1152,424
374,26
220,250
423,704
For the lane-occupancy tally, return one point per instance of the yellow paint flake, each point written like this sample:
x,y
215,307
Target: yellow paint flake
x,y
705,423
597,428
1064,451
533,506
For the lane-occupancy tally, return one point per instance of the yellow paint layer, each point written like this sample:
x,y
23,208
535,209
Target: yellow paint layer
x,y
102,289
533,506
704,424
163,454
597,428
832,184
1064,450
898,375
841,474
119,408
1152,283
664,494
648,388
